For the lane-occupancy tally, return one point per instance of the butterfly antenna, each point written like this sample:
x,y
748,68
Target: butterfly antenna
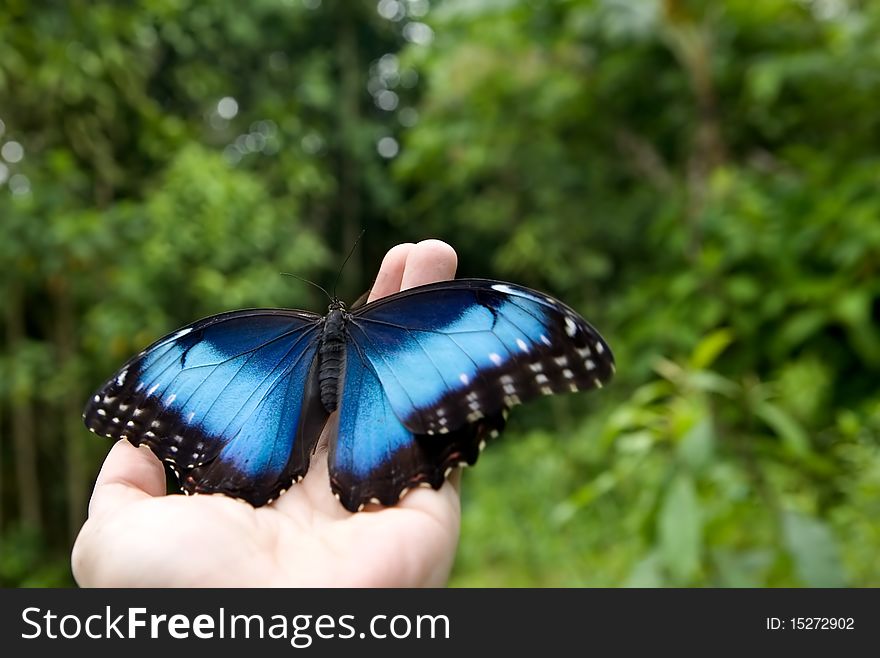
x,y
350,253
311,283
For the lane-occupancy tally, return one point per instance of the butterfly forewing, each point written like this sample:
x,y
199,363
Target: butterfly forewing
x,y
219,401
452,353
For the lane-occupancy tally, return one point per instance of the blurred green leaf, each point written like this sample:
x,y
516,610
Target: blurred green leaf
x,y
813,549
710,347
794,439
679,529
697,446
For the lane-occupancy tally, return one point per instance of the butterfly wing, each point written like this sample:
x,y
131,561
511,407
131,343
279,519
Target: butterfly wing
x,y
374,457
230,402
451,352
449,359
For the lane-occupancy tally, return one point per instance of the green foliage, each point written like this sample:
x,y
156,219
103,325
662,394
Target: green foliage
x,y
696,178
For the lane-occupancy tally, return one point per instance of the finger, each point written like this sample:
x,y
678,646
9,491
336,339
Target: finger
x,y
454,479
129,474
428,262
391,272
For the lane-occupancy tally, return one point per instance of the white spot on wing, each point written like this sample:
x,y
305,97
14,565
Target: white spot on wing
x,y
599,348
502,287
464,379
521,344
120,379
570,326
495,358
545,340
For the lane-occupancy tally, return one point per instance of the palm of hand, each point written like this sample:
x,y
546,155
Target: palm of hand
x,y
137,536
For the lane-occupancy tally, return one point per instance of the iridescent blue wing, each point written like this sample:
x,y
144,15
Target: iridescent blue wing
x,y
432,371
230,402
374,457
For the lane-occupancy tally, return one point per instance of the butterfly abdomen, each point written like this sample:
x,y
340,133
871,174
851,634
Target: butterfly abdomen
x,y
332,355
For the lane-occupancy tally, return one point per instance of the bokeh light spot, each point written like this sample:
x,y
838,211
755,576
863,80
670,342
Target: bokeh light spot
x,y
12,152
227,107
387,147
20,185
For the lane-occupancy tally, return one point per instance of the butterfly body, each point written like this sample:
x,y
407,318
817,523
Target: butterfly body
x,y
408,387
332,355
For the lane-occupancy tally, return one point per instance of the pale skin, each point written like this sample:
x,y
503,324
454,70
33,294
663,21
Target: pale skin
x,y
137,536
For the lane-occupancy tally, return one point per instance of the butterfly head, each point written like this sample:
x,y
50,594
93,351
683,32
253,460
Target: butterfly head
x,y
336,305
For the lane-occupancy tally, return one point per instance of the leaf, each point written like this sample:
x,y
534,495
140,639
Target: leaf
x,y
648,572
794,439
813,548
679,529
710,348
698,444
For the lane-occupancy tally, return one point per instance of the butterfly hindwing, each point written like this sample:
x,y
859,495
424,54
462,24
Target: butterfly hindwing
x,y
374,457
228,402
451,353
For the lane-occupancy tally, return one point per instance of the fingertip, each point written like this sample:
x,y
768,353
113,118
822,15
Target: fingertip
x,y
128,472
429,261
447,498
390,274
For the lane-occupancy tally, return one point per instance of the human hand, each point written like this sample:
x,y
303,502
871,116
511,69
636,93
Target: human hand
x,y
136,536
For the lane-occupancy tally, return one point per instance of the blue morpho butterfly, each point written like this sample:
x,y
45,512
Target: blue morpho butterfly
x,y
412,384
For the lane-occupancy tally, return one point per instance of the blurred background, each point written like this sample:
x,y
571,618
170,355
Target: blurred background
x,y
700,180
